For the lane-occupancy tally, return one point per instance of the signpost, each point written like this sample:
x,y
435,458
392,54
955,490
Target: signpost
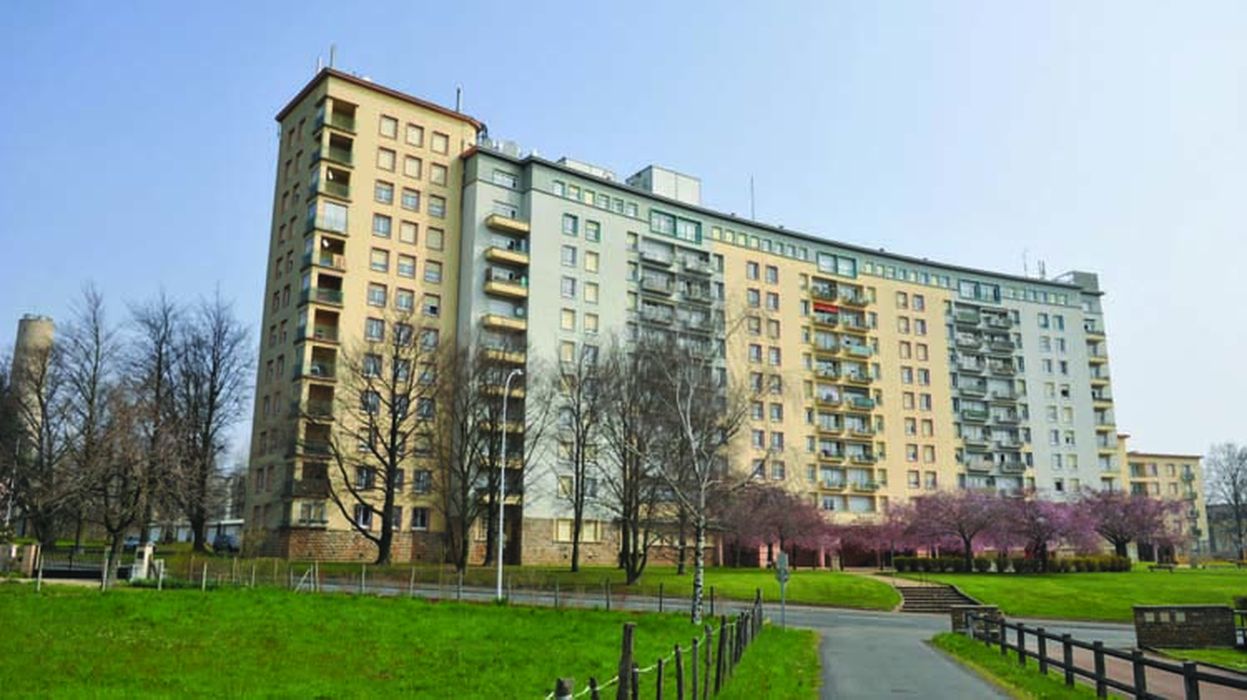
x,y
781,575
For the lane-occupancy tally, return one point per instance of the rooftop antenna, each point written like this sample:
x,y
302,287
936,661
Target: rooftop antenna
x,y
752,216
1026,269
458,98
333,50
319,63
1043,272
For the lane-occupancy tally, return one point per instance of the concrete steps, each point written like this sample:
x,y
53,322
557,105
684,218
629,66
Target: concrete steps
x,y
931,599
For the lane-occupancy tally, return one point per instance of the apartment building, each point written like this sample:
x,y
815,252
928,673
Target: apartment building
x,y
1176,477
880,376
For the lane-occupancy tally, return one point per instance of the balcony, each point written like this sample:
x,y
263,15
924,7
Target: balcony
x,y
828,428
515,255
505,284
313,409
1000,396
697,266
976,415
827,399
1099,379
825,348
321,295
979,465
506,224
862,431
663,315
965,317
321,334
862,458
859,350
335,188
337,120
1006,418
998,322
971,368
1096,355
823,292
861,403
656,257
1013,466
968,342
517,390
1009,444
332,261
1000,345
499,322
1188,476
858,378
505,354
1094,333
1002,369
850,297
866,486
316,370
832,485
340,155
853,325
973,389
657,285
311,447
825,318
977,440
826,372
306,488
827,455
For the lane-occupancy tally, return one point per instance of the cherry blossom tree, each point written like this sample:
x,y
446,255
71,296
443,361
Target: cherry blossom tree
x,y
963,516
1122,518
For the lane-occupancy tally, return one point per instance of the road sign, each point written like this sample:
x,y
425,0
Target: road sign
x,y
781,575
781,568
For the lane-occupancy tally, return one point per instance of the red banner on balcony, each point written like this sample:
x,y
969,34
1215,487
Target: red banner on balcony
x,y
824,306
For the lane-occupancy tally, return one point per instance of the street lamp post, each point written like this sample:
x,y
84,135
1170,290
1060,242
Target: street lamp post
x,y
502,469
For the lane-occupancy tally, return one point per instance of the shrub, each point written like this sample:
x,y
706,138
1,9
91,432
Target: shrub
x,y
903,564
982,564
1020,565
1240,602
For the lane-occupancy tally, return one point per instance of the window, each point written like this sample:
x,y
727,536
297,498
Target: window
x,y
906,349
755,352
591,261
432,305
435,238
385,159
911,453
773,357
437,174
407,232
928,454
363,516
902,324
383,192
777,440
432,272
419,518
1043,320
777,412
567,320
920,303
911,426
568,256
568,287
772,274
922,352
437,207
376,295
404,299
374,329
411,199
920,326
751,270
506,179
902,300
593,231
591,292
907,375
567,351
571,225
924,402
924,376
440,143
389,127
407,266
754,298
381,225
379,260
591,323
421,480
772,301
415,135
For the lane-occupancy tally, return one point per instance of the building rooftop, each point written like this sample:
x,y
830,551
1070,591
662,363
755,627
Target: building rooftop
x,y
326,73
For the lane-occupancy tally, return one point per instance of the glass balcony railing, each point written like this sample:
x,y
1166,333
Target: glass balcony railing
x,y
321,295
861,402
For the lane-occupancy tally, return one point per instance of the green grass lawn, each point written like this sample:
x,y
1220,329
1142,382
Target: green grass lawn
x,y
1229,658
77,642
779,664
1021,682
1098,596
806,586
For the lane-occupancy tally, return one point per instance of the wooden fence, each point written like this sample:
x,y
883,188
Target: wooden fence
x,y
996,631
696,672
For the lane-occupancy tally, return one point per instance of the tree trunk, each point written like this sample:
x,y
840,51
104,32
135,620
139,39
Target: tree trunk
x,y
699,567
681,546
969,553
1119,546
198,521
491,530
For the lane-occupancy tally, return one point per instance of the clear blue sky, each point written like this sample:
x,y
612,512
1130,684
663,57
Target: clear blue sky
x,y
137,142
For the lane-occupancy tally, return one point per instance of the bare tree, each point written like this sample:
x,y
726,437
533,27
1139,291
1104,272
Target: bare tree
x,y
1227,484
42,478
387,391
118,481
150,364
459,438
629,432
209,395
580,404
90,353
702,411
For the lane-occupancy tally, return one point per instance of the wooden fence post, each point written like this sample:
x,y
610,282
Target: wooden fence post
x,y
253,574
459,587
1067,658
679,674
712,602
658,681
203,581
1140,673
564,689
411,583
660,591
705,683
718,661
1190,680
1021,644
625,663
696,660
636,681
593,688
1004,638
1043,652
556,594
1101,689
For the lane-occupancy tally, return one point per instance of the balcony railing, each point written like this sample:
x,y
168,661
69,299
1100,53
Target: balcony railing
x,y
866,486
317,370
654,256
321,295
657,284
823,318
335,188
823,292
973,389
859,350
851,298
974,414
862,458
967,318
336,120
861,402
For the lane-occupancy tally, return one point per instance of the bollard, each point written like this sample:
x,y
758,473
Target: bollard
x,y
104,574
363,579
160,579
712,601
459,587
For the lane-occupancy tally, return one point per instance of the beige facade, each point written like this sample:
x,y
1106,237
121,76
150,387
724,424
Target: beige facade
x,y
365,225
1174,477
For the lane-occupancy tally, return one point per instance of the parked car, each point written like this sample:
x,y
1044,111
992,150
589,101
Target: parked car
x,y
225,544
